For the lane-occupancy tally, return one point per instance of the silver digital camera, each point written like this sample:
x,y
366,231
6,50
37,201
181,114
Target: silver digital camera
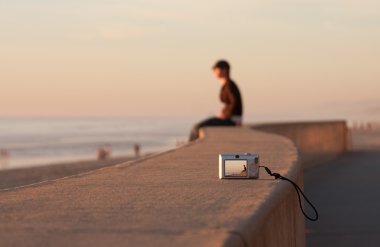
x,y
238,166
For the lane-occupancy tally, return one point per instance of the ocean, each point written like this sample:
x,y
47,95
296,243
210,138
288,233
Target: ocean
x,y
42,141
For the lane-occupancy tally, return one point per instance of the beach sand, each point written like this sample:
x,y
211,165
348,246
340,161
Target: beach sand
x,y
24,176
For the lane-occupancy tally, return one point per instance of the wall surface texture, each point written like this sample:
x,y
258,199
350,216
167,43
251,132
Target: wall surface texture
x,y
171,199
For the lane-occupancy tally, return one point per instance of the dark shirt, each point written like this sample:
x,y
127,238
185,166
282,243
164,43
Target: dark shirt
x,y
230,96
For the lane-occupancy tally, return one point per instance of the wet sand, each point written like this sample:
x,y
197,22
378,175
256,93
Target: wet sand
x,y
25,176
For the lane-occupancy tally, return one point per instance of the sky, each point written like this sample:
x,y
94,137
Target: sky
x,y
292,59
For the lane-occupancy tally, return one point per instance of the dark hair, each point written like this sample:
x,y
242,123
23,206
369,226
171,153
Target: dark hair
x,y
222,64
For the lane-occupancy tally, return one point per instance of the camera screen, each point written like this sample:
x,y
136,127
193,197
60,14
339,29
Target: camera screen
x,y
235,168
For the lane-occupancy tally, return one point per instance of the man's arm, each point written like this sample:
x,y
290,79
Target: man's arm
x,y
228,108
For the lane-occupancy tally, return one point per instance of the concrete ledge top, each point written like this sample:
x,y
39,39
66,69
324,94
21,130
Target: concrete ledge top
x,y
171,199
300,123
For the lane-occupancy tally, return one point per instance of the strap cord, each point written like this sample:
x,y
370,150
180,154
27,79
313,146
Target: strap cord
x,y
298,190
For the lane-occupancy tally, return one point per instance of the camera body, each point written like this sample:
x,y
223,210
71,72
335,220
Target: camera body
x,y
238,166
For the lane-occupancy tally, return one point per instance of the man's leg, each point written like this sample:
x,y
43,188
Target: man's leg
x,y
209,122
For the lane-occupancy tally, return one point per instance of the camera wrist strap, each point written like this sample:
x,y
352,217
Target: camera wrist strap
x,y
298,190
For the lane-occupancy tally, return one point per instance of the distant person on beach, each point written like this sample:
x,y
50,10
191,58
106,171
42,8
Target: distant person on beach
x,y
100,154
231,114
136,148
3,153
3,157
103,153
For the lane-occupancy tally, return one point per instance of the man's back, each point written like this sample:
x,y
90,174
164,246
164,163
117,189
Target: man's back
x,y
231,114
230,96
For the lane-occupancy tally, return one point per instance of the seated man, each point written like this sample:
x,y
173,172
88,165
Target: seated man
x,y
231,115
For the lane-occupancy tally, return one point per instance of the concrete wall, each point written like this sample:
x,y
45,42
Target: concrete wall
x,y
316,141
171,199
277,221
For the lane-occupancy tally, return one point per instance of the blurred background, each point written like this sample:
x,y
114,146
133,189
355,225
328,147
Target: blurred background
x,y
77,75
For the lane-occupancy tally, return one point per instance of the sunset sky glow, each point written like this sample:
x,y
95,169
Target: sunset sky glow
x,y
292,59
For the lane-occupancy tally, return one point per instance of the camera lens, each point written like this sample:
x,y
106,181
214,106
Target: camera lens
x,y
237,156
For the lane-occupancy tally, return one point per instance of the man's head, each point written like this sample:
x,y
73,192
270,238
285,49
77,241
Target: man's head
x,y
222,69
